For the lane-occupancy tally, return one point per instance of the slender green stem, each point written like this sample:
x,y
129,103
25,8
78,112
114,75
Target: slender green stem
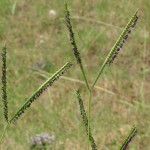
x,y
99,73
84,76
4,132
89,112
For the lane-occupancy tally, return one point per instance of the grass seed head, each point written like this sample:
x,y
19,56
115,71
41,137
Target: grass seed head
x,y
4,83
123,38
71,35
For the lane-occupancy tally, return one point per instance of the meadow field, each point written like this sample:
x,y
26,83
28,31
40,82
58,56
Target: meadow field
x,y
38,44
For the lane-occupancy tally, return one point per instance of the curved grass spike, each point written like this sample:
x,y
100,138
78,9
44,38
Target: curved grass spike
x,y
4,83
128,139
85,121
72,38
73,43
126,30
125,37
40,90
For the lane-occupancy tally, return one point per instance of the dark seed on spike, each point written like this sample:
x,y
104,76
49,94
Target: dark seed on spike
x,y
110,62
121,45
123,41
136,19
116,53
133,25
118,48
126,37
129,31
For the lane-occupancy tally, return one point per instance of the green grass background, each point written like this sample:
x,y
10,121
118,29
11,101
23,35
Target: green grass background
x,y
38,45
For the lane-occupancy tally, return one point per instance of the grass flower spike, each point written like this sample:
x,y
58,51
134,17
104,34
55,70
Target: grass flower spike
x,y
40,90
118,45
72,38
4,83
85,120
123,37
128,139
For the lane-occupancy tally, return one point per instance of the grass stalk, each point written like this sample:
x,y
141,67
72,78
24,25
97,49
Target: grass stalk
x,y
89,117
85,78
4,131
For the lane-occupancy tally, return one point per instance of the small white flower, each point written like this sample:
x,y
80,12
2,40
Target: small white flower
x,y
52,13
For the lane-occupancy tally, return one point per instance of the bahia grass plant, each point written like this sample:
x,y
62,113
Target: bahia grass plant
x,y
109,60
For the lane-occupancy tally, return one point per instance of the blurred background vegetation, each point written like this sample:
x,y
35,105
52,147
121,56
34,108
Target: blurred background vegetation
x,y
38,44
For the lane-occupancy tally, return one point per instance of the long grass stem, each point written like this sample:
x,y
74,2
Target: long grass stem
x,y
4,131
84,76
99,73
89,117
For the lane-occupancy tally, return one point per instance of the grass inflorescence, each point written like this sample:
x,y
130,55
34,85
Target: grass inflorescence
x,y
4,83
118,44
85,120
128,139
72,38
40,90
123,37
